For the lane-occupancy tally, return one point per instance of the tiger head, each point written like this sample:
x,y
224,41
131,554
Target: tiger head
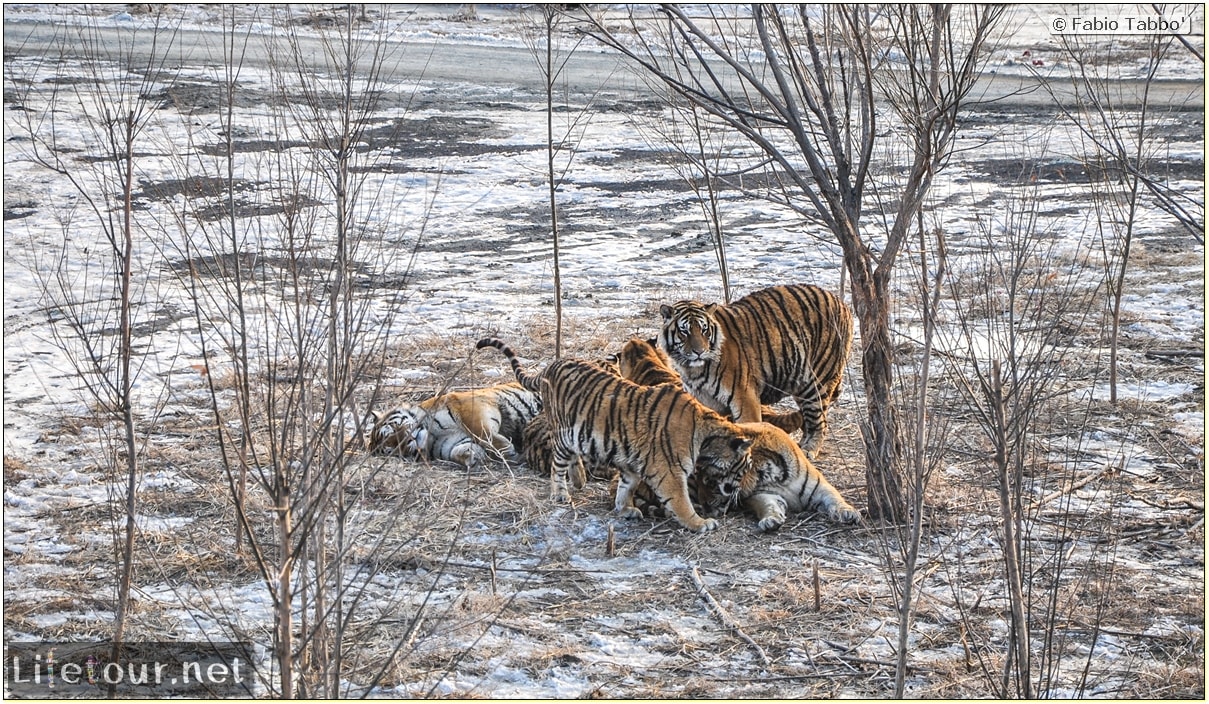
x,y
400,432
690,335
642,362
723,469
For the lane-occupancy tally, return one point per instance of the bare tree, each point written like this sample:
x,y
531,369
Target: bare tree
x,y
101,312
1017,307
551,55
809,90
285,282
924,452
1122,163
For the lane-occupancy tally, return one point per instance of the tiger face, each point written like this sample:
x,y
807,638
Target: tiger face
x,y
400,432
690,335
722,466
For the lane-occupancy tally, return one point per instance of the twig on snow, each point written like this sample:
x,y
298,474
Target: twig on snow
x,y
1079,484
724,617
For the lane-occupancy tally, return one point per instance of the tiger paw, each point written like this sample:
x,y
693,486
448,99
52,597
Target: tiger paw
x,y
469,456
629,513
844,514
770,523
811,444
771,510
707,524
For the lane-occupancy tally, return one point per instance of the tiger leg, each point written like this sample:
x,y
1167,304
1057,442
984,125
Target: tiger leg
x,y
814,421
827,499
579,474
560,466
671,486
789,421
623,503
770,510
503,447
745,406
467,453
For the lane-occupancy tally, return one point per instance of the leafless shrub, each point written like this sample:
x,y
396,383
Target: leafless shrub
x,y
96,317
1018,309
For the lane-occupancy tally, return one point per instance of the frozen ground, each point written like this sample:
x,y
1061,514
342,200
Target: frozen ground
x,y
458,247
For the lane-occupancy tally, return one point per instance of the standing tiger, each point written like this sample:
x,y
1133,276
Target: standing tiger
x,y
658,435
461,426
776,342
643,363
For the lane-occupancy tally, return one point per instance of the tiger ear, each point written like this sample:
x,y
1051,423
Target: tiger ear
x,y
666,311
740,444
710,308
375,416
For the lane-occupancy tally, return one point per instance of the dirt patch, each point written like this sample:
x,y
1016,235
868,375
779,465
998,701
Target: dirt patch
x,y
189,97
193,187
1019,172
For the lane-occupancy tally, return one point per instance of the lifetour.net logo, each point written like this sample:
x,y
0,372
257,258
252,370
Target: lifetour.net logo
x,y
59,670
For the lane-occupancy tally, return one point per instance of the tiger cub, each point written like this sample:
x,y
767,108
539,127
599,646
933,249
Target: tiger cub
x,y
658,435
642,362
776,342
780,479
462,426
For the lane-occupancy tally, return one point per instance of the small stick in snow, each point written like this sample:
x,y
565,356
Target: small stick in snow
x,y
1079,484
724,617
818,602
493,562
611,543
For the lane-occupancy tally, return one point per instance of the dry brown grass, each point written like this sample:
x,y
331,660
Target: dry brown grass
x,y
556,592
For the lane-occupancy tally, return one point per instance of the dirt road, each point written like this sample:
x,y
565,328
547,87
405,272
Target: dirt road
x,y
585,72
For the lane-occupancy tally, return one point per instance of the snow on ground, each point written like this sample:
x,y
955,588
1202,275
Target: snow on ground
x,y
459,218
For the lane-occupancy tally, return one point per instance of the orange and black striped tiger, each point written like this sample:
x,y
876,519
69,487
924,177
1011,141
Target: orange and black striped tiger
x,y
779,475
538,442
659,435
461,426
781,341
642,362
780,480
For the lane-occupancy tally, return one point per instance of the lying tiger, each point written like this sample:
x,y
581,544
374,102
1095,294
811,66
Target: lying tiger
x,y
779,479
776,342
658,435
463,426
